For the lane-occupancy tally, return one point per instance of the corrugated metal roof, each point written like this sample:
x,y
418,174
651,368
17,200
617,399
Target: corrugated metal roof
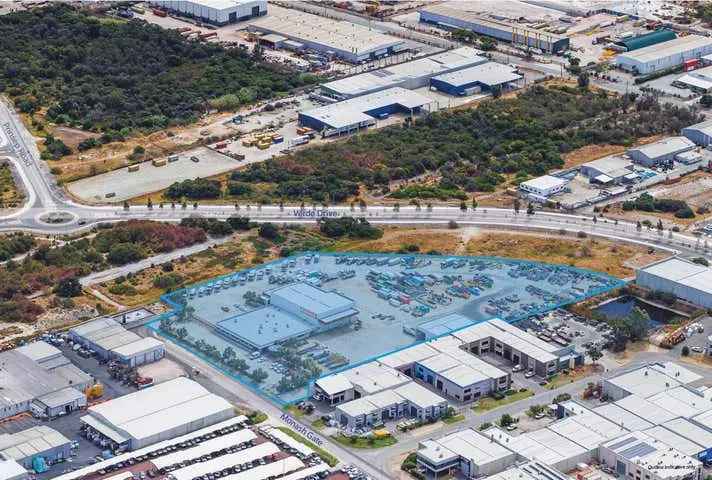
x,y
647,39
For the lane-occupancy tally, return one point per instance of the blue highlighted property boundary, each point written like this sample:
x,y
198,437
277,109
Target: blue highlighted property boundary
x,y
611,283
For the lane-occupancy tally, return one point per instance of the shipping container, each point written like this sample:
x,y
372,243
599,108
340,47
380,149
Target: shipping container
x,y
138,10
158,163
159,13
134,168
173,158
300,140
278,139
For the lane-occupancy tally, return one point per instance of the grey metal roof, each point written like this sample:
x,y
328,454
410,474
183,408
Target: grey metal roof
x,y
490,73
23,380
350,112
664,147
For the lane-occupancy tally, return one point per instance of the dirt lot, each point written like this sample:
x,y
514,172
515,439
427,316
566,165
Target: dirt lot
x,y
73,136
614,259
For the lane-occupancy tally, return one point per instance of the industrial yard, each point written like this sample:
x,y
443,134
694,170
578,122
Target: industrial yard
x,y
377,303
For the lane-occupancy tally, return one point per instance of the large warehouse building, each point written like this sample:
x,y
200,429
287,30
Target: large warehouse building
x,y
111,341
469,452
359,113
217,12
686,280
700,133
664,55
660,152
486,77
348,41
296,310
158,413
28,386
410,75
451,18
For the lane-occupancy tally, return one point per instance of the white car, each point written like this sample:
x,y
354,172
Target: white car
x,y
511,426
529,374
517,368
697,349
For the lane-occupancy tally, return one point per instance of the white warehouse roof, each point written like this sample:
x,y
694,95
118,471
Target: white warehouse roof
x,y
406,72
685,445
624,418
337,35
468,444
587,428
490,73
545,182
664,147
645,409
157,409
666,49
352,111
683,272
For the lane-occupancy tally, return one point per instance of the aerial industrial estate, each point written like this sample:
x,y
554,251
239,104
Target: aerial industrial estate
x,y
364,240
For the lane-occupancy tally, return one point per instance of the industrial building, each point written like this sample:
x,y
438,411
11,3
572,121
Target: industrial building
x,y
686,280
610,169
216,12
293,311
52,359
409,75
468,451
664,55
647,39
28,386
342,39
161,452
700,133
519,347
406,401
699,81
648,380
486,77
542,445
541,188
359,113
162,412
35,448
534,470
111,341
637,455
451,18
11,470
662,152
585,427
442,363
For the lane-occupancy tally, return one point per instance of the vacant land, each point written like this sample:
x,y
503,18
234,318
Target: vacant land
x,y
471,150
615,259
489,403
10,195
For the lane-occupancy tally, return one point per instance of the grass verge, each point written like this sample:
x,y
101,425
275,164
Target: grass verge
x,y
453,419
490,403
365,443
318,424
330,459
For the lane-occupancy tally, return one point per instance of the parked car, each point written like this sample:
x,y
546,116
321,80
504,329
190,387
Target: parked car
x,y
529,374
517,368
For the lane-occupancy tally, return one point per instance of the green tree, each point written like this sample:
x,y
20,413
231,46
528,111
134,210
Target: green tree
x,y
68,287
506,420
258,375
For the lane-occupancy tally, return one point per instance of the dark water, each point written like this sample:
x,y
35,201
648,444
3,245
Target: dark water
x,y
625,305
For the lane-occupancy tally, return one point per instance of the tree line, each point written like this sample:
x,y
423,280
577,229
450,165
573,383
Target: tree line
x,y
471,150
115,76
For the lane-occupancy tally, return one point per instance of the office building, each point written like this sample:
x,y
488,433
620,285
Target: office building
x,y
541,188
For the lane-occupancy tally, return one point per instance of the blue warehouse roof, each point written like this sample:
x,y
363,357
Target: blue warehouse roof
x,y
264,327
